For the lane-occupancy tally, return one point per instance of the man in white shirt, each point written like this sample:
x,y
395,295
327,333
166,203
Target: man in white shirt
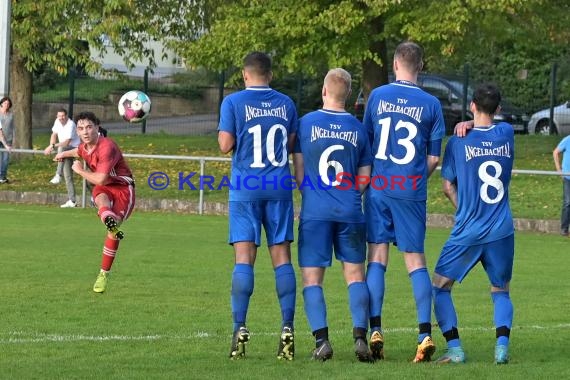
x,y
63,130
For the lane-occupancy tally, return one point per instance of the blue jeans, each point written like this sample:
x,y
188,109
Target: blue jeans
x,y
4,160
565,216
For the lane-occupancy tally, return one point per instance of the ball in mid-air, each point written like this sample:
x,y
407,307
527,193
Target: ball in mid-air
x,y
134,106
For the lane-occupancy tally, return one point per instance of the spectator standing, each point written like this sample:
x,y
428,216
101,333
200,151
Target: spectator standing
x,y
6,136
64,132
564,148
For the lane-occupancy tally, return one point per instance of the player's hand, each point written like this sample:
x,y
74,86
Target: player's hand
x,y
77,166
48,150
462,127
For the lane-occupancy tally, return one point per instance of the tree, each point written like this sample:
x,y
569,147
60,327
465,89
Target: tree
x,y
49,34
306,35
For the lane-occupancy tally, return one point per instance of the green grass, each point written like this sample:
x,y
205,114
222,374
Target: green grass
x,y
166,313
532,196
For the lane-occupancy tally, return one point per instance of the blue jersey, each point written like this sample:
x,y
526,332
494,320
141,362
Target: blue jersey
x,y
334,145
261,119
564,147
402,120
480,166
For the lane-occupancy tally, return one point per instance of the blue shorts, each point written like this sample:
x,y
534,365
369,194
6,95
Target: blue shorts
x,y
399,221
317,239
497,257
247,218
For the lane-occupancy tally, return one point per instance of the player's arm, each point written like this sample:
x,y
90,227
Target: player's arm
x,y
226,141
450,191
72,153
291,141
97,178
556,156
433,153
299,169
364,172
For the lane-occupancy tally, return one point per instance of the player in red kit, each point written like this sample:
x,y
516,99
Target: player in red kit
x,y
114,187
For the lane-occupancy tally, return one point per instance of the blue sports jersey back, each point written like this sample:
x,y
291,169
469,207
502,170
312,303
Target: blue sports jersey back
x,y
480,165
261,119
332,143
401,120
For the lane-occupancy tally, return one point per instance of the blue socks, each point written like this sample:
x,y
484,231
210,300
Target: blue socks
x,y
446,316
375,273
315,307
286,288
421,286
242,289
359,300
503,316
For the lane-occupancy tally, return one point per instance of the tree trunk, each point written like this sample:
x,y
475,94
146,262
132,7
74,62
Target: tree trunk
x,y
374,74
21,94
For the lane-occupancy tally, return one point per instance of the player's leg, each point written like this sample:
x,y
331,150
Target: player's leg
x,y
454,263
111,201
410,227
350,249
314,256
278,224
380,231
245,236
498,263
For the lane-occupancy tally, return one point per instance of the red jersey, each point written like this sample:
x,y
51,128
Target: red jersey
x,y
107,158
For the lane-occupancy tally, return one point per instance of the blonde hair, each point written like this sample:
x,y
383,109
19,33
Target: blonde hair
x,y
338,83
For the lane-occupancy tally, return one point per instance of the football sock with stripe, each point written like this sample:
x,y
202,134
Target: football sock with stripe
x,y
109,251
421,286
446,316
503,316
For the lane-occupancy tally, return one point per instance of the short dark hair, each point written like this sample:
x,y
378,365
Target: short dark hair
x,y
259,63
89,116
411,55
487,98
62,110
4,99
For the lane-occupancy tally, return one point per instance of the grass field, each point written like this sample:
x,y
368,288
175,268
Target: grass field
x,y
166,313
532,196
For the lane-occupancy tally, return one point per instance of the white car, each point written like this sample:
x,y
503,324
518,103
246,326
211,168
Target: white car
x,y
539,122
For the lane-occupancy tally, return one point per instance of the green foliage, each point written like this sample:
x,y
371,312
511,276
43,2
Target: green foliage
x,y
166,313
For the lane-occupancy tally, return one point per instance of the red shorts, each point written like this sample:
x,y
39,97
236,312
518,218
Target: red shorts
x,y
122,198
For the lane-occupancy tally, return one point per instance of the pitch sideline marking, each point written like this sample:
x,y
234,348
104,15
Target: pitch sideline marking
x,y
21,337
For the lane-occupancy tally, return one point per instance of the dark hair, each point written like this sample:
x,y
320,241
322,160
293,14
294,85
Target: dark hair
x,y
4,99
410,55
259,63
62,110
102,131
487,98
89,116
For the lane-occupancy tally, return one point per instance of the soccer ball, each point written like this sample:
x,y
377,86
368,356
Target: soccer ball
x,y
134,106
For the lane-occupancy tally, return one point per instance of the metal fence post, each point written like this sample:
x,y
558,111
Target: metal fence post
x,y
145,87
201,200
71,77
552,96
465,89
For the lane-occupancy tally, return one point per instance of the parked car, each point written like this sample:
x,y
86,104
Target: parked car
x,y
449,91
540,121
